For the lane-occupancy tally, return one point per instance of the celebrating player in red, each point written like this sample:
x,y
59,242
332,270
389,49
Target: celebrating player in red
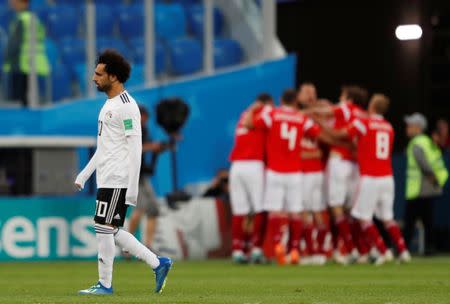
x,y
375,192
247,184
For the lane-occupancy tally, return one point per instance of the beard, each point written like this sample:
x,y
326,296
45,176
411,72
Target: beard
x,y
103,88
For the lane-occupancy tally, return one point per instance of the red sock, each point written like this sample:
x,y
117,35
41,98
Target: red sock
x,y
295,233
322,232
396,237
259,223
375,238
307,235
358,239
237,232
345,233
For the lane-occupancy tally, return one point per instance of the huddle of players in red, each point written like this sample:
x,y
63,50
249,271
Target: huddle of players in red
x,y
307,170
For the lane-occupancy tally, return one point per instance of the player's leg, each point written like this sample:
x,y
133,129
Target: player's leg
x,y
339,175
320,223
274,195
104,232
385,212
309,195
127,242
294,206
240,209
365,203
255,189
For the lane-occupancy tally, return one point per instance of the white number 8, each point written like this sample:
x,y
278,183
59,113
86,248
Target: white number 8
x,y
382,145
289,134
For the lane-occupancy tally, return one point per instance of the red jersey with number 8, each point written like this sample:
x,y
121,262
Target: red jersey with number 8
x,y
286,128
375,138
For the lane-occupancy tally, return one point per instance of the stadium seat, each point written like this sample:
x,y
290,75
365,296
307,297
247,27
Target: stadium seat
x,y
52,51
195,19
5,17
185,55
170,21
137,76
63,21
113,43
137,45
131,21
227,52
104,19
61,82
73,50
36,4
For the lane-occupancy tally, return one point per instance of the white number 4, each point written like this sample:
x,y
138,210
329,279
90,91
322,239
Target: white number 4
x,y
382,145
289,134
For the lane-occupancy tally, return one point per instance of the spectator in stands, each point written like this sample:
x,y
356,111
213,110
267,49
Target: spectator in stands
x,y
219,187
17,57
425,177
146,202
441,134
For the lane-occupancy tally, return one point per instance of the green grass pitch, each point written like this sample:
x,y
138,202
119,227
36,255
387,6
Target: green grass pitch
x,y
422,281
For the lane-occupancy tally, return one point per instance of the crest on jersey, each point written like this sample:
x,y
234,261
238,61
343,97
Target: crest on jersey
x,y
109,114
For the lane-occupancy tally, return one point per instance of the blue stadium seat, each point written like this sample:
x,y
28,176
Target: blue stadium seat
x,y
113,43
227,52
73,50
137,45
131,21
6,16
104,19
137,76
61,82
52,51
63,21
186,56
195,18
170,21
36,4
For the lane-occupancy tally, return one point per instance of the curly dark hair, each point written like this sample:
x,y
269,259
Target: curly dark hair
x,y
115,64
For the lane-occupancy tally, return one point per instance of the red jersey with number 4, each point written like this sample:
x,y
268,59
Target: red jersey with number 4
x,y
375,138
311,165
344,114
249,144
286,128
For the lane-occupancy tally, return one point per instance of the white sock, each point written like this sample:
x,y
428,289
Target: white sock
x,y
106,251
129,243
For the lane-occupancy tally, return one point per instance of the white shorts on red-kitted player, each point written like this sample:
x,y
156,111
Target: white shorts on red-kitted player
x,y
283,192
342,176
246,186
374,196
313,191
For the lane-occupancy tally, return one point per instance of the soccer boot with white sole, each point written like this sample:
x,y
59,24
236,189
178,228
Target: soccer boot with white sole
x,y
96,290
404,257
239,257
165,264
389,256
257,256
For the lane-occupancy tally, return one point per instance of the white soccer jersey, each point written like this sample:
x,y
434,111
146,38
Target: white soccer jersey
x,y
119,117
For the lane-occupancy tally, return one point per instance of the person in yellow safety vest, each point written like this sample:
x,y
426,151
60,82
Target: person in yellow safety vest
x,y
426,176
17,55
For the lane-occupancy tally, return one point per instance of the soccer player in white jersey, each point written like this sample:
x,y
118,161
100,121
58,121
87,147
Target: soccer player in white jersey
x,y
117,162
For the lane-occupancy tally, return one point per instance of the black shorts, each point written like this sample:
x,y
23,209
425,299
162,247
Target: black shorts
x,y
110,207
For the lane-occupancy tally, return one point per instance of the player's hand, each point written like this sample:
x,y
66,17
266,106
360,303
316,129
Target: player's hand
x,y
78,186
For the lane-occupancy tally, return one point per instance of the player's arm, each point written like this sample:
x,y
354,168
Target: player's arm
x,y
249,116
86,173
131,121
311,154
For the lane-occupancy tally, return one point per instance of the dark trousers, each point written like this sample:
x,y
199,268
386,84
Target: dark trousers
x,y
18,87
420,208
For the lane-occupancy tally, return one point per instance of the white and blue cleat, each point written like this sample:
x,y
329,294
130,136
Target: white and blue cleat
x,y
97,289
161,273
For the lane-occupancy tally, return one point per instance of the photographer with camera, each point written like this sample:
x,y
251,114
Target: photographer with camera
x,y
147,202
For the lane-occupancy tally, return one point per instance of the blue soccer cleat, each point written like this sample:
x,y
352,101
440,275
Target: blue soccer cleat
x,y
161,273
97,289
